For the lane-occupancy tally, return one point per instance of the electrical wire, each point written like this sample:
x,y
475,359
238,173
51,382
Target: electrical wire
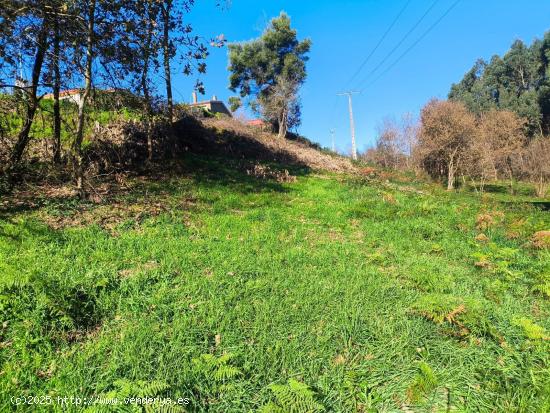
x,y
415,43
362,65
393,50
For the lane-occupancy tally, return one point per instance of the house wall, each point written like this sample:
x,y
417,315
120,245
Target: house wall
x,y
219,107
76,98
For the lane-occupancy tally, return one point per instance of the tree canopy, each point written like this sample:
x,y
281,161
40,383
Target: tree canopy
x,y
271,69
519,81
118,44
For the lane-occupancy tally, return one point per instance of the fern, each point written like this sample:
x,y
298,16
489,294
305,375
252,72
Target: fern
x,y
293,397
11,278
465,315
215,368
359,393
424,383
531,330
438,307
126,389
543,288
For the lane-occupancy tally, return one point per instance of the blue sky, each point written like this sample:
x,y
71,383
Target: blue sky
x,y
345,32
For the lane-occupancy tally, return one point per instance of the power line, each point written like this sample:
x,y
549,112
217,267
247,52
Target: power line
x,y
415,43
370,54
392,51
362,65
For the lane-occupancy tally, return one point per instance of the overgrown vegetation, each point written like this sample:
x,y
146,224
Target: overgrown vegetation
x,y
149,252
370,292
85,44
454,145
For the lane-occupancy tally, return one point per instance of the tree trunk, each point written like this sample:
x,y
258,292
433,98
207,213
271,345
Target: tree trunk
x,y
56,90
166,10
283,124
32,100
145,88
147,110
451,175
77,144
511,177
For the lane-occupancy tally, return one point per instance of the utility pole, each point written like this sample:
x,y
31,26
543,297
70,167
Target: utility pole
x,y
352,125
332,140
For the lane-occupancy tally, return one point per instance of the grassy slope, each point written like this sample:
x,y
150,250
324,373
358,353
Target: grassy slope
x,y
329,280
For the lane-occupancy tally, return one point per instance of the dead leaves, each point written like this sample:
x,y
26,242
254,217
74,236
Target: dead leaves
x,y
541,240
144,267
482,238
265,172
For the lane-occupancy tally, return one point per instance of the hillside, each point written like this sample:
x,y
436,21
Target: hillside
x,y
223,280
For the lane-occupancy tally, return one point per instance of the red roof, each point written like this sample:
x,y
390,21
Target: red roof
x,y
71,92
256,122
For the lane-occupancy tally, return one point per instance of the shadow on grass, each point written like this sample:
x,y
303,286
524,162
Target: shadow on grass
x,y
207,156
542,205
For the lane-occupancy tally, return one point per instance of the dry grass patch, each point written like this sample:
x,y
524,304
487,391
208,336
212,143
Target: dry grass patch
x,y
302,151
541,239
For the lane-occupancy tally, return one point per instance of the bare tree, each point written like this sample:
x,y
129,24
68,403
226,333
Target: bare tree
x,y
395,143
408,137
502,136
387,149
446,133
537,164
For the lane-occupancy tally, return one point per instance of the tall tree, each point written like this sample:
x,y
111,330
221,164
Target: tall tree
x,y
518,82
270,70
28,24
89,11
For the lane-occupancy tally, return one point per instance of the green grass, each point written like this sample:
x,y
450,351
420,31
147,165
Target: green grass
x,y
328,294
11,121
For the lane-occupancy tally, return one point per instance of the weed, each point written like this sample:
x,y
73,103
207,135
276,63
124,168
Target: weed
x,y
531,330
423,384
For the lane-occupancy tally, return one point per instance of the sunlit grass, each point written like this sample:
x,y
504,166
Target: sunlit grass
x,y
366,292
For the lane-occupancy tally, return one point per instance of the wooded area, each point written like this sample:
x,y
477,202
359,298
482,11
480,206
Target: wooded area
x,y
93,44
493,127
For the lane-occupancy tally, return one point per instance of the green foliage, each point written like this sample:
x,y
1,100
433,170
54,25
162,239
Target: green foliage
x,y
318,279
518,82
359,392
467,316
256,64
234,103
105,109
424,383
293,397
543,288
217,369
531,330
